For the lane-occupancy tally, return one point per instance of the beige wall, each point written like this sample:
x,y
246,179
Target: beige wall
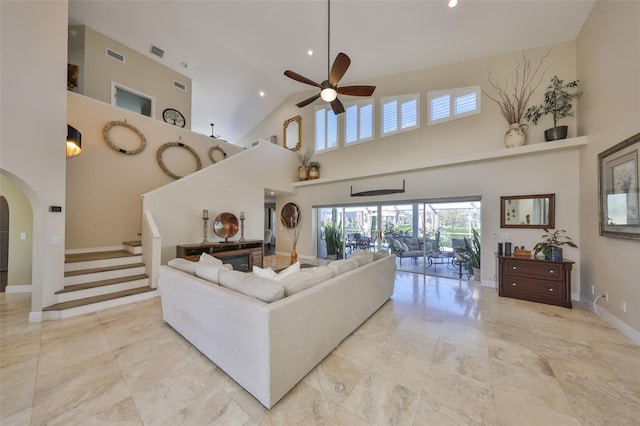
x,y
138,72
32,129
104,187
20,220
608,51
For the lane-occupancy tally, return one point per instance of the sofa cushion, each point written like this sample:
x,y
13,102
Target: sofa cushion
x,y
306,278
405,247
204,257
397,245
251,285
267,273
291,269
380,254
413,243
183,265
210,272
343,265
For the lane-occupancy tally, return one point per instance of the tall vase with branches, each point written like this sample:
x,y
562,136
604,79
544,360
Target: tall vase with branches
x,y
513,97
304,155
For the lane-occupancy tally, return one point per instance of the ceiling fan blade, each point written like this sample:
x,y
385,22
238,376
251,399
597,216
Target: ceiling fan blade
x,y
297,77
308,101
356,90
337,106
339,67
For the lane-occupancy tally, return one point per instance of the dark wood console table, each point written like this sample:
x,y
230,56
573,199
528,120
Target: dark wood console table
x,y
243,255
535,279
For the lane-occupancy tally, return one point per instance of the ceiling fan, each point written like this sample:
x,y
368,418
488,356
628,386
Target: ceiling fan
x,y
329,89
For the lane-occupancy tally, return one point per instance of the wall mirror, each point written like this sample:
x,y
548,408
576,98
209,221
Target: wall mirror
x,y
528,211
292,133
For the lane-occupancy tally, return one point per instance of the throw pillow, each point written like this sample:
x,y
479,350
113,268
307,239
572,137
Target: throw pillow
x,y
267,273
342,266
248,284
397,245
204,257
210,272
404,247
183,264
362,257
412,243
380,254
291,269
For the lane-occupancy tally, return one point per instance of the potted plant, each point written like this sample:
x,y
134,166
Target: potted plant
x,y
513,97
470,254
314,170
557,102
550,245
333,240
304,155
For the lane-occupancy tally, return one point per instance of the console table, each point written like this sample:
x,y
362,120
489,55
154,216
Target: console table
x,y
243,255
535,279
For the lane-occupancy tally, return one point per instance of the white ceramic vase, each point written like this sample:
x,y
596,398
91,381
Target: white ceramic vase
x,y
516,135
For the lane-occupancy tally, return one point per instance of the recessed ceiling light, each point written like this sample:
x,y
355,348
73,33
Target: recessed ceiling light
x,y
261,93
310,52
452,3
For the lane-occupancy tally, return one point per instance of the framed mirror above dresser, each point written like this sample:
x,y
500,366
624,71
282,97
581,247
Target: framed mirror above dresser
x,y
528,211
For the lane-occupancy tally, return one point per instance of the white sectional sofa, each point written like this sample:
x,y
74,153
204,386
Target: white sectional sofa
x,y
267,348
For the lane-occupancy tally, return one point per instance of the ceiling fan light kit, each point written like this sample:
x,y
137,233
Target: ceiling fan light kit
x,y
329,89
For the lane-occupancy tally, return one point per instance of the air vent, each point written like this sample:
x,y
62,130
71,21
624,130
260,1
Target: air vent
x,y
157,51
179,85
115,55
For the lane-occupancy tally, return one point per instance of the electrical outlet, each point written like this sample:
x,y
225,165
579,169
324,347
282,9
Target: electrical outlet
x,y
624,306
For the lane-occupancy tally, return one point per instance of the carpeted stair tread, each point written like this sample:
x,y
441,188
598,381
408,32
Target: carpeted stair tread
x,y
97,255
96,299
94,284
104,269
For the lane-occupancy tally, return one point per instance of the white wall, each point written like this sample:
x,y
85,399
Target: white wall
x,y
609,66
233,185
104,187
32,128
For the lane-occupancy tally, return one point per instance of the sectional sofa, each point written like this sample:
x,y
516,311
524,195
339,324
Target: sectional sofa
x,y
267,334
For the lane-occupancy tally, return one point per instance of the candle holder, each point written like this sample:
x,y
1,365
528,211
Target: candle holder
x,y
241,226
205,227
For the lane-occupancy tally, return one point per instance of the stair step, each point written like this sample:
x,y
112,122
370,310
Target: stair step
x,y
99,274
133,246
83,261
96,255
94,284
105,269
97,299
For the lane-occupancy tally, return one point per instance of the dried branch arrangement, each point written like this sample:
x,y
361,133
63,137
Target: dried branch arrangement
x,y
513,97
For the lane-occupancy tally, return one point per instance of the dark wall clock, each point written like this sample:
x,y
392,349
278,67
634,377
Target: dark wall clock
x,y
173,116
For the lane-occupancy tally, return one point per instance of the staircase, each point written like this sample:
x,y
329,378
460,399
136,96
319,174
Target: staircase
x,y
101,279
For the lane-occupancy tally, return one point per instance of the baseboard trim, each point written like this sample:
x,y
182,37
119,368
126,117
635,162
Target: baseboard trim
x,y
18,288
621,326
35,316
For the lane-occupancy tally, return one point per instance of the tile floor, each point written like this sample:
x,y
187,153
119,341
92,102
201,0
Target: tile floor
x,y
440,352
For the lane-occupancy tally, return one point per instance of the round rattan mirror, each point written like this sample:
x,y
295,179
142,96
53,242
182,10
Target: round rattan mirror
x,y
290,215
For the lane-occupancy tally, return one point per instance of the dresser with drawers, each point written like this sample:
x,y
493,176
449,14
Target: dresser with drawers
x,y
535,279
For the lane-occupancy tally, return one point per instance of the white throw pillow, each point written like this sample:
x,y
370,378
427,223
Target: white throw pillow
x,y
362,257
405,247
380,254
183,264
210,272
291,269
248,284
204,257
343,265
267,273
306,278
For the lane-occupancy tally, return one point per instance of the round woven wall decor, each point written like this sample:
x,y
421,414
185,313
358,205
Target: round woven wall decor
x,y
216,148
107,138
181,145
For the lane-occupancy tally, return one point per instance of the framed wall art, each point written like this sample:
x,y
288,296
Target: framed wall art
x,y
619,195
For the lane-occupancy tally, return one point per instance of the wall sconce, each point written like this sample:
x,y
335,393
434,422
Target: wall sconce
x,y
74,141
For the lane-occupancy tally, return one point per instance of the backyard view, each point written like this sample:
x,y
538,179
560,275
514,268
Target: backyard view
x,y
342,229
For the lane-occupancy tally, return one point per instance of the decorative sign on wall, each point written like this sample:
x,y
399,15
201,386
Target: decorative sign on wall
x,y
173,116
110,125
180,145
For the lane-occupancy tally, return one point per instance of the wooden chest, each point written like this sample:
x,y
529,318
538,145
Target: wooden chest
x,y
535,279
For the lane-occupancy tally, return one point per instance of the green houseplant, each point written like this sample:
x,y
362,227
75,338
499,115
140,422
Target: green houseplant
x,y
470,254
550,245
557,102
333,240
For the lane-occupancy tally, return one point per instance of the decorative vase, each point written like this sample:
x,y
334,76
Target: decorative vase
x,y
303,173
516,135
294,255
314,173
556,133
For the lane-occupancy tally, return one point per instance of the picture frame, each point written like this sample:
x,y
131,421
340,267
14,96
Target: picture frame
x,y
618,190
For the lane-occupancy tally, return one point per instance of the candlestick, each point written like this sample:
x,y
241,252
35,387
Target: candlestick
x,y
205,214
241,215
241,226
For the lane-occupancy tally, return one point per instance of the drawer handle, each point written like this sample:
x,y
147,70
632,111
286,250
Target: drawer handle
x,y
513,284
551,271
514,267
550,289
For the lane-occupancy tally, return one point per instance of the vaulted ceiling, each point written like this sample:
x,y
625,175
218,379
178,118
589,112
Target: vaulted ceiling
x,y
236,49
